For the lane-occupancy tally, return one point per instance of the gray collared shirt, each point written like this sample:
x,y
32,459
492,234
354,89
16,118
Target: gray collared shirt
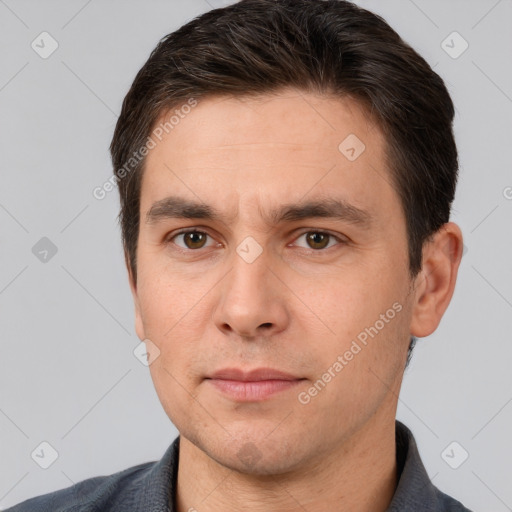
x,y
151,487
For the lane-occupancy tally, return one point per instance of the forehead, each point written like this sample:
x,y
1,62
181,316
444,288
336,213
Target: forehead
x,y
276,148
288,117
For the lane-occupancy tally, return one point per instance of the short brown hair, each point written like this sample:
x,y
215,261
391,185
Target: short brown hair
x,y
323,46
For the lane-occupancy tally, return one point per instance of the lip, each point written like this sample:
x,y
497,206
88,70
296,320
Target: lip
x,y
255,375
253,385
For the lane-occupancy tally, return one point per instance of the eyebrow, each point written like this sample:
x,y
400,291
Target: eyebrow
x,y
175,207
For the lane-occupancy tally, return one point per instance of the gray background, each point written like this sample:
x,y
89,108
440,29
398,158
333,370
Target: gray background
x,y
67,372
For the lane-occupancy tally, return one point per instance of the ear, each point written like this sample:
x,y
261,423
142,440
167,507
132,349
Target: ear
x,y
139,325
435,283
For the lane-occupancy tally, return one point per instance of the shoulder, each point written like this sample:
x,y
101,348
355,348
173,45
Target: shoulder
x,y
147,486
93,494
415,491
445,503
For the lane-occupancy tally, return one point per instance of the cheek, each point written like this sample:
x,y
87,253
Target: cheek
x,y
171,322
166,299
367,311
361,365
353,299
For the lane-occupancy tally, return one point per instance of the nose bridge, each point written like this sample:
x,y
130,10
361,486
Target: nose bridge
x,y
250,299
250,274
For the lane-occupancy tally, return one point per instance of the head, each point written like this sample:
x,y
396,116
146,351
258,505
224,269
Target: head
x,y
311,150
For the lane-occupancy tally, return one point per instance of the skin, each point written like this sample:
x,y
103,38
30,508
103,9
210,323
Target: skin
x,y
296,307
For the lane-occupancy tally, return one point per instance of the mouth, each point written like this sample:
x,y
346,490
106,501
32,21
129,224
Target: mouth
x,y
254,385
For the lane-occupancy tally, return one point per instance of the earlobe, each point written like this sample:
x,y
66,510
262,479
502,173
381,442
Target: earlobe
x,y
435,284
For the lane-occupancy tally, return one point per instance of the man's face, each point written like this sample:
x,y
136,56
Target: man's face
x,y
324,299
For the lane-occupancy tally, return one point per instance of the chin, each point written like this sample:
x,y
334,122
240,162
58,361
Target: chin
x,y
259,455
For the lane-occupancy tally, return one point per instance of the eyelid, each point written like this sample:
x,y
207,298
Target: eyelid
x,y
338,236
342,240
194,229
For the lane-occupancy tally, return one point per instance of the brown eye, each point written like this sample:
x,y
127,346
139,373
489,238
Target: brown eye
x,y
194,239
190,239
317,240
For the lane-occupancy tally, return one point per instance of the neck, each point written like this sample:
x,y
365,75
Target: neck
x,y
360,476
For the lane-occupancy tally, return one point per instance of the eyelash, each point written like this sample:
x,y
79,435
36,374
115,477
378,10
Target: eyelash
x,y
341,241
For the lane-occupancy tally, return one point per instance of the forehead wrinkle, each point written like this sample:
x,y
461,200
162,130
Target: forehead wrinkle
x,y
323,207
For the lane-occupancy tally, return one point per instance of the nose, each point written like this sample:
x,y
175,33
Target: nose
x,y
252,299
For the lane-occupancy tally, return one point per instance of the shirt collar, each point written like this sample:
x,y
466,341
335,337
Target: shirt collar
x,y
414,491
